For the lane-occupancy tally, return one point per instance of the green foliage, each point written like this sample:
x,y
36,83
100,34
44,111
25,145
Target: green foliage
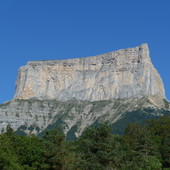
x,y
141,147
20,152
71,133
8,158
57,152
97,105
161,129
137,116
144,146
98,148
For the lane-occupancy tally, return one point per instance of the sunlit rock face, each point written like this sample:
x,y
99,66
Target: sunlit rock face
x,y
122,74
119,87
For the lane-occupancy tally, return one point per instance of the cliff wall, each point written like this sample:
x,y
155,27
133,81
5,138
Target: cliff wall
x,y
122,74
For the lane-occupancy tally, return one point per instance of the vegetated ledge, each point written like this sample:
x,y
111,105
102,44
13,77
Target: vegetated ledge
x,y
71,115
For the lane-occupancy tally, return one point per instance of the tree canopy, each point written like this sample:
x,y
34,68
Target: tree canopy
x,y
141,147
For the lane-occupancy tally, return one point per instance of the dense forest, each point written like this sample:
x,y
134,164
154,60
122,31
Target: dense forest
x,y
141,147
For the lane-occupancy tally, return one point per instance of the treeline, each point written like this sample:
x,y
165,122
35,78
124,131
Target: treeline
x,y
141,147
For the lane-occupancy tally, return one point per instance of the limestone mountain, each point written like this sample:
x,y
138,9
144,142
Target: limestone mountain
x,y
120,87
122,74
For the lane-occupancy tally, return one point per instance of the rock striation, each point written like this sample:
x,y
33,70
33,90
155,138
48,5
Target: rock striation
x,y
123,74
119,87
34,116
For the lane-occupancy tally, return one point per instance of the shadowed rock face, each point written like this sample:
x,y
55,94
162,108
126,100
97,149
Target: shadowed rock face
x,y
123,74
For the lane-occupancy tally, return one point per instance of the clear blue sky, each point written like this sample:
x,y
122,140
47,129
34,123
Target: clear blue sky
x,y
59,29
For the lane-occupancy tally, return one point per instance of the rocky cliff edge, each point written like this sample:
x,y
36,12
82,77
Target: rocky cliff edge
x,y
123,74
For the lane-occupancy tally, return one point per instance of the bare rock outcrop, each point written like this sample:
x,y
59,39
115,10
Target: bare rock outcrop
x,y
119,87
122,74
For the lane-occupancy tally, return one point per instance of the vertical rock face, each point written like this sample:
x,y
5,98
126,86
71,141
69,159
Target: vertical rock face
x,y
124,74
118,87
